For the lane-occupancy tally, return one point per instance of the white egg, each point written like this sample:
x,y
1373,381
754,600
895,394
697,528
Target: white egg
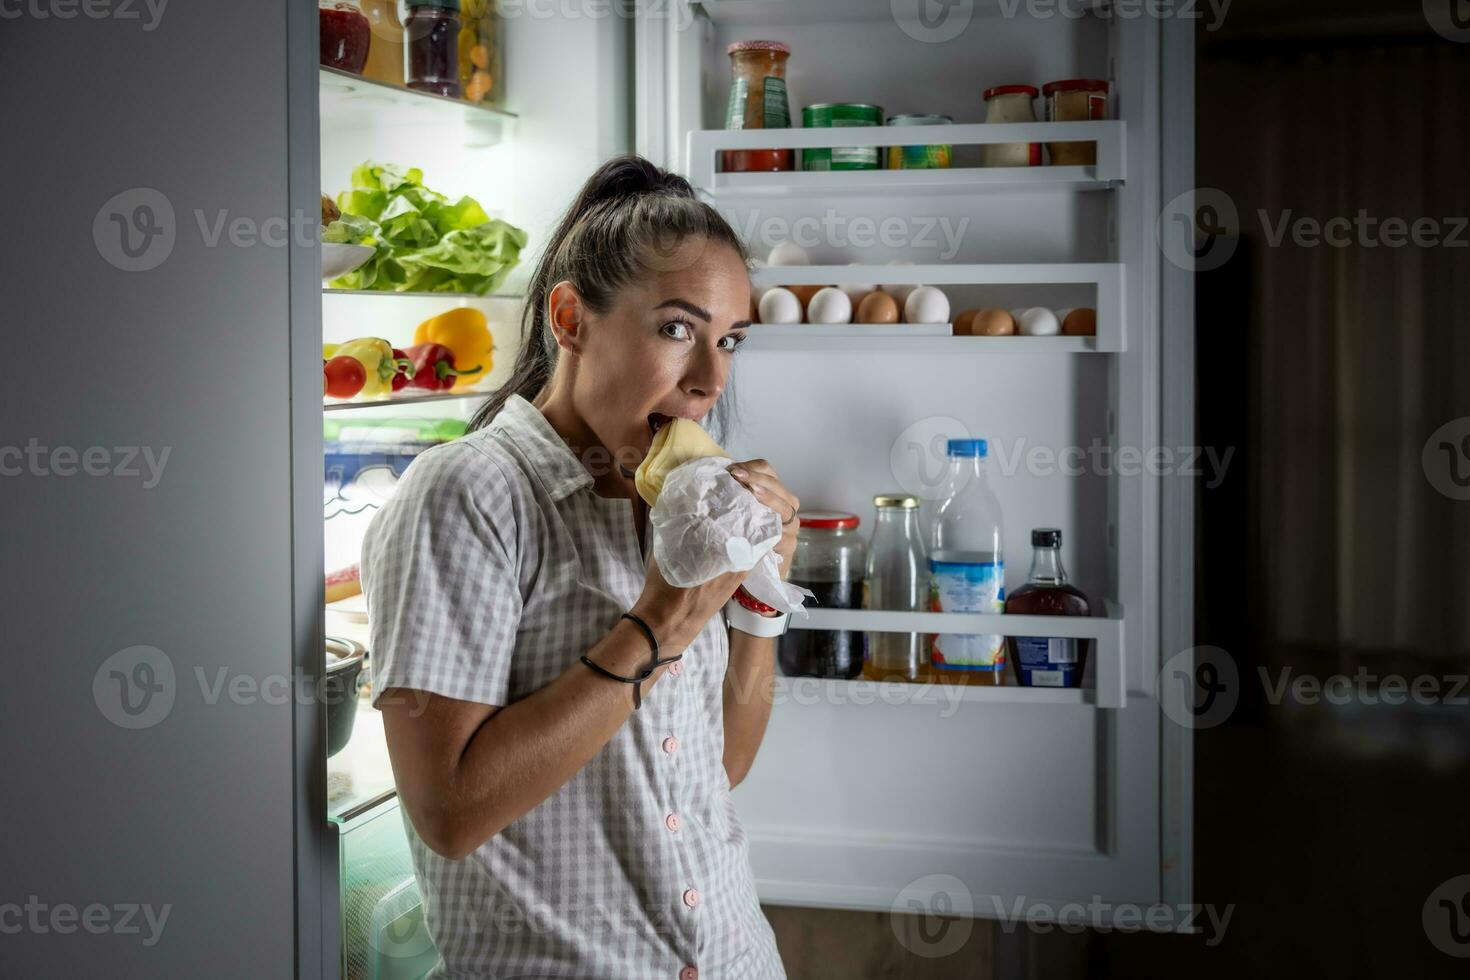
x,y
788,253
900,291
926,305
829,305
1039,322
780,305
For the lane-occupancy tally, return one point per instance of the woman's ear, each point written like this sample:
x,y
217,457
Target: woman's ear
x,y
564,315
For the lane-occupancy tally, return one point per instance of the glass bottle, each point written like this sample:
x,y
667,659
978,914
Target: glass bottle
x,y
967,569
385,55
895,580
431,53
830,560
758,100
1042,661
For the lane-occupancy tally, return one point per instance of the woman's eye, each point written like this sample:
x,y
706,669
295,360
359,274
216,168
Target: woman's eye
x,y
735,343
677,329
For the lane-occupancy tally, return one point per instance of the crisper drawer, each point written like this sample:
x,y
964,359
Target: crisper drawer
x,y
384,936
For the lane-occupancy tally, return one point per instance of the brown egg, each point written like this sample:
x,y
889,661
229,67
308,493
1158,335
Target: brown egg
x,y
805,294
878,307
964,323
1080,323
993,323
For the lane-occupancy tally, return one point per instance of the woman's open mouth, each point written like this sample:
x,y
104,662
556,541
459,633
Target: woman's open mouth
x,y
657,421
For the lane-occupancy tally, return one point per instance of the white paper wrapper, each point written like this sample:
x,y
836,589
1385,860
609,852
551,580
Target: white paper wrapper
x,y
706,523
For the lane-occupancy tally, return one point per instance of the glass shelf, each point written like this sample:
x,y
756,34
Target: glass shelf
x,y
446,396
352,102
471,297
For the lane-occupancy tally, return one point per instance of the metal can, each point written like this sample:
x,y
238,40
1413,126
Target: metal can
x,y
935,156
833,115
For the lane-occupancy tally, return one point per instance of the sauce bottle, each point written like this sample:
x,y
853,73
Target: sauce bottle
x,y
1048,661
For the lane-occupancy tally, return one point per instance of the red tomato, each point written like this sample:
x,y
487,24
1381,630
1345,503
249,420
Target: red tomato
x,y
345,376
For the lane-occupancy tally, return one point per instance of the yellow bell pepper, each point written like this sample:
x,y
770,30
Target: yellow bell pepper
x,y
466,332
376,357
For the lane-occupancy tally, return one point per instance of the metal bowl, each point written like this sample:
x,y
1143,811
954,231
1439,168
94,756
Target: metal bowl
x,y
340,684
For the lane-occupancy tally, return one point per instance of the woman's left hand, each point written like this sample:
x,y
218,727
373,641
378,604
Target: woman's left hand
x,y
759,476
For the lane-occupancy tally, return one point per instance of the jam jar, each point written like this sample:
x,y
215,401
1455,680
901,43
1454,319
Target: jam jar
x,y
431,57
345,35
830,558
758,100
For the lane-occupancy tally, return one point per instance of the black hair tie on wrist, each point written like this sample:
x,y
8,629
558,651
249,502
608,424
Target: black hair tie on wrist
x,y
653,664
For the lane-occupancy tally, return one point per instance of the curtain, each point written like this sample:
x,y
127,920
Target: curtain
x,y
1356,354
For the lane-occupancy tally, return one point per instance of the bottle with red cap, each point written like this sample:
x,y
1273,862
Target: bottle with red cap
x,y
830,558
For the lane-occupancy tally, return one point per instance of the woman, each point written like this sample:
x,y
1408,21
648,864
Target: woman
x,y
568,819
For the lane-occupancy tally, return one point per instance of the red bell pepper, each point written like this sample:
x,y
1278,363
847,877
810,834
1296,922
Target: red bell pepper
x,y
434,367
403,370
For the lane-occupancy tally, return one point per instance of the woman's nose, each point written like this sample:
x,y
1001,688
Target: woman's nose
x,y
705,376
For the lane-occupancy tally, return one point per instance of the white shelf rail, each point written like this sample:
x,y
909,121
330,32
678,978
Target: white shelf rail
x,y
1109,670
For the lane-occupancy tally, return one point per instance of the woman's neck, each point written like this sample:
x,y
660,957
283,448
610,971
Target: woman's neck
x,y
607,481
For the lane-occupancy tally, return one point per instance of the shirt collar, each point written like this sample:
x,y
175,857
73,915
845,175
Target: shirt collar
x,y
553,459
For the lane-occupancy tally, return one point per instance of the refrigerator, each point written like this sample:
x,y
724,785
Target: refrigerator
x,y
167,163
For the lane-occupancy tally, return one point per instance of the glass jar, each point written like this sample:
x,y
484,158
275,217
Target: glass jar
x,y
830,559
481,72
431,55
385,55
757,101
1075,100
935,156
345,36
896,578
1011,104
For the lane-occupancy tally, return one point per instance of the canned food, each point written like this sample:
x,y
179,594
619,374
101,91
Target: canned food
x,y
932,157
833,115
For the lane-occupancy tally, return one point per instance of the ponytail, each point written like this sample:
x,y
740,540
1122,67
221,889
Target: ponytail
x,y
627,215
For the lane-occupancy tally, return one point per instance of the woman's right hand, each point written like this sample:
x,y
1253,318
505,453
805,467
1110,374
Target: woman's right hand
x,y
677,615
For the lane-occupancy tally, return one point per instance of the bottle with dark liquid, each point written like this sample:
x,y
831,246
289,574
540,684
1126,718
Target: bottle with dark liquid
x,y
829,560
1042,661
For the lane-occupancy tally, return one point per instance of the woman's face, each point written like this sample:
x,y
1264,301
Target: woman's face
x,y
664,349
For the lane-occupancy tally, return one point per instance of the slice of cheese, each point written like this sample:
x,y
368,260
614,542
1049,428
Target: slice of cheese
x,y
677,442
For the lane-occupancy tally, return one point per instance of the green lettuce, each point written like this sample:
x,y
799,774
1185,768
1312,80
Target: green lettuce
x,y
423,241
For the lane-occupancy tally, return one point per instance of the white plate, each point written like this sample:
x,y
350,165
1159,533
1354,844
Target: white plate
x,y
339,259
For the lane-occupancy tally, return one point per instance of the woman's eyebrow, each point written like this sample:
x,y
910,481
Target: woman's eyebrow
x,y
686,306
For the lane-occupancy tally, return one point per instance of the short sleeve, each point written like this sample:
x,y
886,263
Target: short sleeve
x,y
440,574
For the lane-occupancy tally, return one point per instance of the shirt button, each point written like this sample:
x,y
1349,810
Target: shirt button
x,y
672,821
670,744
676,668
691,897
689,973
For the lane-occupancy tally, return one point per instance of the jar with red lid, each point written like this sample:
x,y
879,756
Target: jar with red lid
x,y
758,100
431,52
344,34
1011,104
830,559
1075,100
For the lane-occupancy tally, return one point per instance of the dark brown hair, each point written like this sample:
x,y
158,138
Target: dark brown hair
x,y
628,217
